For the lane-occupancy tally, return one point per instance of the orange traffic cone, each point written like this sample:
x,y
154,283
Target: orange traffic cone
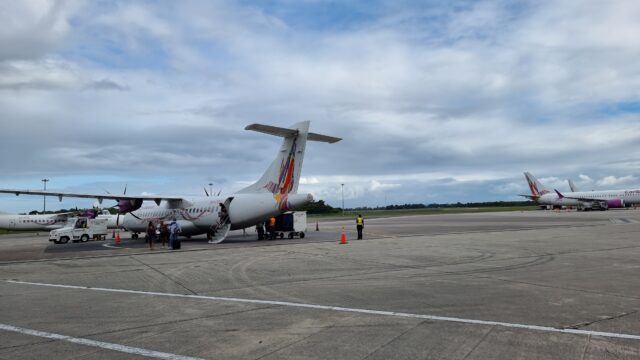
x,y
343,237
118,238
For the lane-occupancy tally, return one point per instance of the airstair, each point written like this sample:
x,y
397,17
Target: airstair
x,y
220,230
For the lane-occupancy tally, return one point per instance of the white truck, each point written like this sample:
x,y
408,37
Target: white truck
x,y
80,229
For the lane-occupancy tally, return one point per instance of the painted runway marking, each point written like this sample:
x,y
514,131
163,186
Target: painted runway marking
x,y
349,310
623,221
94,343
112,247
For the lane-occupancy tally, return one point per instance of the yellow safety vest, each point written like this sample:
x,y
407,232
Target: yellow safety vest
x,y
360,221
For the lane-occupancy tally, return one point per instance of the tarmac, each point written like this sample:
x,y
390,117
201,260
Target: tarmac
x,y
526,285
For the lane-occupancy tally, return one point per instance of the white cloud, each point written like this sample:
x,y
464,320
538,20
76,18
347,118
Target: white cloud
x,y
615,181
32,28
376,186
309,181
433,100
585,178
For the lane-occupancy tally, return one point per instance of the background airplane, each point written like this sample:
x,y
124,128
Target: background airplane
x,y
274,193
572,186
583,200
32,222
46,221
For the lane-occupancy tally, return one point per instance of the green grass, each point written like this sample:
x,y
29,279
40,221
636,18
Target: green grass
x,y
426,211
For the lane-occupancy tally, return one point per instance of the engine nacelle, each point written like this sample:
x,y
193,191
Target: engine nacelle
x,y
129,205
615,203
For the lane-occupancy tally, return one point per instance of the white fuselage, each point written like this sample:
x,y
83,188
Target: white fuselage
x,y
199,215
628,197
31,222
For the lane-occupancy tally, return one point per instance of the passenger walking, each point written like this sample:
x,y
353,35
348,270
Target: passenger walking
x,y
164,234
359,226
174,229
151,234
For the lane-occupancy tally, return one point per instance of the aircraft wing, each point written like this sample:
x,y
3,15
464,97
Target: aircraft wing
x,y
99,197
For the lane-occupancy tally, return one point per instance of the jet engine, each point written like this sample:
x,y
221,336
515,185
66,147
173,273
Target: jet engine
x,y
615,203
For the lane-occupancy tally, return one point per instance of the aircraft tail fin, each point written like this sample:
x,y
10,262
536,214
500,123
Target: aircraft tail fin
x,y
283,175
537,189
572,186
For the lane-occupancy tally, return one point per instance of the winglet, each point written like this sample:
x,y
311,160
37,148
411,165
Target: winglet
x,y
559,194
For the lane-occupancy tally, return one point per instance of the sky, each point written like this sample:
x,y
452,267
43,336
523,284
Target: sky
x,y
436,101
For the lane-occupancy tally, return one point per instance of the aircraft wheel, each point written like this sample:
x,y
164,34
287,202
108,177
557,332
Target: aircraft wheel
x,y
84,238
64,240
134,236
301,235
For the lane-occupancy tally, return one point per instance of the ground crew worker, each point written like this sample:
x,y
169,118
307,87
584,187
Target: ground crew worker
x,y
359,226
260,230
272,228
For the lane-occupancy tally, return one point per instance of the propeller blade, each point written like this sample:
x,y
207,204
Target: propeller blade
x,y
205,191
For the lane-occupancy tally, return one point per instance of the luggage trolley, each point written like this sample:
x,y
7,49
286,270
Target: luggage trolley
x,y
292,222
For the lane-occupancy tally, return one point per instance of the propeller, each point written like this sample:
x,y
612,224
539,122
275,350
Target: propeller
x,y
118,205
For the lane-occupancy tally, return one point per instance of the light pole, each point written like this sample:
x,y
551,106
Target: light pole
x,y
342,185
44,197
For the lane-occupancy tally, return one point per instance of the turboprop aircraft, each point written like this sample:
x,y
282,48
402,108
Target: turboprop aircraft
x,y
44,221
274,193
583,200
32,222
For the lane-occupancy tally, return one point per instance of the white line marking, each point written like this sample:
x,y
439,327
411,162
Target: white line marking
x,y
112,247
94,343
350,310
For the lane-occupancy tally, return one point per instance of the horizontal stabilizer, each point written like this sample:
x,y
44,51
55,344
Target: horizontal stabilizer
x,y
322,138
531,197
272,130
285,132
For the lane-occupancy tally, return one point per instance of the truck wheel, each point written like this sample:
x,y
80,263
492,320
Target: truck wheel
x,y
301,235
64,240
290,235
84,238
281,235
56,241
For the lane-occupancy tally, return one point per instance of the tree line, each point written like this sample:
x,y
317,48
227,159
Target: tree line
x,y
320,207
